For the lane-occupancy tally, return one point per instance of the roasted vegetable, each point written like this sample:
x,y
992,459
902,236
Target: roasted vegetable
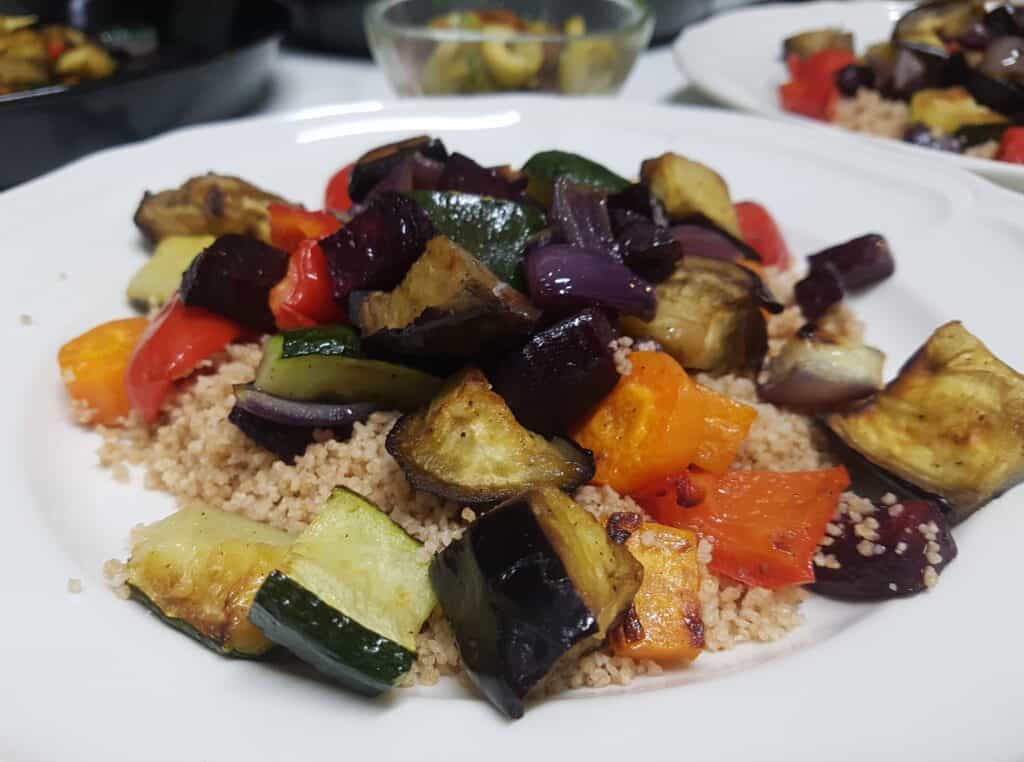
x,y
688,187
530,584
726,425
545,167
286,441
373,166
207,205
709,316
495,231
975,134
463,175
885,554
93,367
817,371
294,413
559,375
762,234
350,596
199,569
232,277
932,23
951,423
648,249
812,41
447,310
764,525
467,446
158,279
698,236
327,365
1004,97
377,246
664,623
860,262
947,110
579,217
291,225
818,291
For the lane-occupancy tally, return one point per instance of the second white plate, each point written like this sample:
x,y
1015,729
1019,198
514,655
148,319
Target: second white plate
x,y
735,58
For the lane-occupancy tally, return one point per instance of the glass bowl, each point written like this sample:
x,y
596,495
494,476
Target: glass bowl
x,y
574,47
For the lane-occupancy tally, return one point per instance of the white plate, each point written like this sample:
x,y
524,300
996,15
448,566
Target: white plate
x,y
735,58
88,676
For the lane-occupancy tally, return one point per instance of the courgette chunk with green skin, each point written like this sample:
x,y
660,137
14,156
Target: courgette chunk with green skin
x,y
350,596
709,316
467,446
542,169
200,569
327,365
950,424
495,231
447,310
529,585
158,279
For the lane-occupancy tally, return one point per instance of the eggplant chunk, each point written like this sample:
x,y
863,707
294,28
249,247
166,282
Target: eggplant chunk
x,y
529,585
931,23
951,423
373,166
207,205
816,371
448,309
467,446
709,316
806,44
687,187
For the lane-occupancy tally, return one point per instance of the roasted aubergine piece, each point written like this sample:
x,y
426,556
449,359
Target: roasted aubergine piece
x,y
951,424
467,446
709,316
207,205
806,44
199,570
448,309
531,584
686,187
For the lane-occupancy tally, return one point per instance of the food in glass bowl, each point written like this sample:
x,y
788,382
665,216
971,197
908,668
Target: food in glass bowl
x,y
951,78
547,425
572,48
34,56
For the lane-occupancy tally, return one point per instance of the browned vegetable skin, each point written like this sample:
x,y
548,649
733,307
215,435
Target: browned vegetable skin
x,y
951,423
686,187
448,309
709,316
813,41
210,204
467,446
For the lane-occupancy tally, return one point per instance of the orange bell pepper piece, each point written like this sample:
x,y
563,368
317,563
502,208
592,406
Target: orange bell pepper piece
x,y
665,622
764,525
726,424
291,225
94,364
648,427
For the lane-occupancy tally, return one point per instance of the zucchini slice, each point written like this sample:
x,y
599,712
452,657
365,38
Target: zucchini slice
x,y
447,310
158,279
545,167
951,423
709,316
200,569
531,583
327,365
467,446
350,597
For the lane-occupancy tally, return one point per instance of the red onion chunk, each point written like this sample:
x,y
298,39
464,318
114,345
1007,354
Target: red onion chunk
x,y
286,442
297,413
377,247
702,238
374,166
649,250
463,174
860,262
415,172
579,214
564,278
638,199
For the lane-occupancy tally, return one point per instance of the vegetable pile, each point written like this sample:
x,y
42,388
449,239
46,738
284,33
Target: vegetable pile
x,y
488,305
959,64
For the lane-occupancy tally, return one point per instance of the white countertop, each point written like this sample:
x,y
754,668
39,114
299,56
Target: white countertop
x,y
302,80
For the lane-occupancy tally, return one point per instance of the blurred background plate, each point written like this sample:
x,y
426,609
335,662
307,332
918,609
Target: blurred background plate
x,y
213,61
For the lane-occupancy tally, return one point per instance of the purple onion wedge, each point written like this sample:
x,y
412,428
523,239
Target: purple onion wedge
x,y
638,199
377,247
699,236
859,263
563,278
318,415
579,214
815,371
415,172
559,375
286,442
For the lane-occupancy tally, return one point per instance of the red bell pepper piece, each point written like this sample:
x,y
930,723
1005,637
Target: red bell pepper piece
x,y
336,196
764,525
291,225
55,49
303,298
178,339
1011,147
812,90
760,231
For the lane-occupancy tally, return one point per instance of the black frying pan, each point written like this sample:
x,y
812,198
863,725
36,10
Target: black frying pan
x,y
213,61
